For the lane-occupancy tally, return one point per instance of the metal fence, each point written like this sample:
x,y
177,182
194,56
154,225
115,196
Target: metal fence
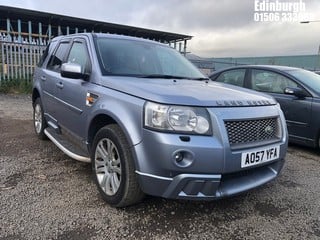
x,y
18,60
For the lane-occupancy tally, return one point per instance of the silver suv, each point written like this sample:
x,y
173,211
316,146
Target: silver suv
x,y
150,123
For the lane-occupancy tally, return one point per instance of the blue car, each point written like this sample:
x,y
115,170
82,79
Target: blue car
x,y
151,123
297,90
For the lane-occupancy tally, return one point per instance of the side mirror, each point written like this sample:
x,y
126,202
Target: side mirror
x,y
298,92
72,70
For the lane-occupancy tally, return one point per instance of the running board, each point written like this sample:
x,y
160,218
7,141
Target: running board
x,y
65,146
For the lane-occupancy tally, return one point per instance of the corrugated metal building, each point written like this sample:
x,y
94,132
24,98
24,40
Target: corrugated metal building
x,y
25,33
208,65
16,23
310,62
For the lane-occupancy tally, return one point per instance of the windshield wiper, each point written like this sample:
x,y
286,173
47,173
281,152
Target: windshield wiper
x,y
161,76
200,79
170,77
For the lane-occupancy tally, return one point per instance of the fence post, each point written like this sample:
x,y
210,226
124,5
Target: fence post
x,y
18,60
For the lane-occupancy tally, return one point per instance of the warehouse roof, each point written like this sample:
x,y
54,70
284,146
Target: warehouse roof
x,y
45,18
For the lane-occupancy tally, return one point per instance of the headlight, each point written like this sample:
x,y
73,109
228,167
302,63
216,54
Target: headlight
x,y
192,120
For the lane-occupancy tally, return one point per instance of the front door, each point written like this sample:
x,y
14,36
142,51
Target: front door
x,y
297,111
72,93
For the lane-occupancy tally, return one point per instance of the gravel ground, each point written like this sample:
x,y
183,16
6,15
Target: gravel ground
x,y
46,195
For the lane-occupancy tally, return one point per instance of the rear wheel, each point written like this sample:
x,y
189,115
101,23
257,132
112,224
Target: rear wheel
x,y
39,121
113,168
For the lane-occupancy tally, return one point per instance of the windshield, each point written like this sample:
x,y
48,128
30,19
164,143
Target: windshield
x,y
143,59
310,79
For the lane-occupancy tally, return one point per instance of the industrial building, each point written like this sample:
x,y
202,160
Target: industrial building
x,y
25,33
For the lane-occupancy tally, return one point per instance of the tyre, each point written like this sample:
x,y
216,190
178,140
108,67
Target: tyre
x,y
39,121
113,168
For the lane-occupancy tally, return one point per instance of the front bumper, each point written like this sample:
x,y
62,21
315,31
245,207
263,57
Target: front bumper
x,y
211,168
209,187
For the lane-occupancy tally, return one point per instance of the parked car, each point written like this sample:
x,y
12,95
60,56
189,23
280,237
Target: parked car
x,y
150,123
297,91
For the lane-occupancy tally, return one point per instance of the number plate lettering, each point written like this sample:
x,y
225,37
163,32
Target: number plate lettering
x,y
259,156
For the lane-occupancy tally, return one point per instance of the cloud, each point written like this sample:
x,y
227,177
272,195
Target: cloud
x,y
191,15
219,27
273,39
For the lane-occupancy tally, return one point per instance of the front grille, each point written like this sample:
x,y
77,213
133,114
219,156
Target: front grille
x,y
252,131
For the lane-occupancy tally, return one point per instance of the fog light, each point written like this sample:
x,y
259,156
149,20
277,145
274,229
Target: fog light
x,y
183,158
179,156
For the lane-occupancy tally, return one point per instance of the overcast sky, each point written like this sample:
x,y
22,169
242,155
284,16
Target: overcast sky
x,y
220,28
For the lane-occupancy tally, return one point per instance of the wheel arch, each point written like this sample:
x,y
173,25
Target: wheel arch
x,y
98,122
125,123
35,95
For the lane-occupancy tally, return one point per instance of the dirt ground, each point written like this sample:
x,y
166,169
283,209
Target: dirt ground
x,y
46,195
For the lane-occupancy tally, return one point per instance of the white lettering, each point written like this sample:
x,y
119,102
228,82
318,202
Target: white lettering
x,y
279,6
256,6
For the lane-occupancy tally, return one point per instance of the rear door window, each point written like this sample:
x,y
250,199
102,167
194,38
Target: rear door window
x,y
234,77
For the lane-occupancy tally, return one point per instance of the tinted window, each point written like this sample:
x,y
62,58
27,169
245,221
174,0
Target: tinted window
x,y
78,54
57,58
311,79
234,77
137,58
267,81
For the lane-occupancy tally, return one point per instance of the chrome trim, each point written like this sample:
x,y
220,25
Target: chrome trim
x,y
71,107
65,150
296,123
54,126
154,176
300,138
274,171
50,116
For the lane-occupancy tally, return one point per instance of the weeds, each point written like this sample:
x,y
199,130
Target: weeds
x,y
16,86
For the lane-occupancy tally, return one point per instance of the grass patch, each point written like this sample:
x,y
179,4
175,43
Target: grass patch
x,y
16,86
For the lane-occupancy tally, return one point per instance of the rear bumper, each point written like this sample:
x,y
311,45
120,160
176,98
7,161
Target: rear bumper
x,y
209,187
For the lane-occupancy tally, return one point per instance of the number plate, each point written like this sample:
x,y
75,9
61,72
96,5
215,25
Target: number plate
x,y
259,156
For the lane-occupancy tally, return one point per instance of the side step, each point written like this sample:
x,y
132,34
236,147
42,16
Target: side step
x,y
68,148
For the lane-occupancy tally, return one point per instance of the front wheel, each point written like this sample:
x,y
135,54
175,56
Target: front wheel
x,y
39,121
113,168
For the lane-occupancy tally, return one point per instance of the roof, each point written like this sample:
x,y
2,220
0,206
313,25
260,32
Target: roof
x,y
97,26
275,67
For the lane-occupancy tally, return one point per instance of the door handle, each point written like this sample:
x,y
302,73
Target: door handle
x,y
43,78
59,85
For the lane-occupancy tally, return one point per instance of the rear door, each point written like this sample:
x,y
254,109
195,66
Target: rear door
x,y
50,77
